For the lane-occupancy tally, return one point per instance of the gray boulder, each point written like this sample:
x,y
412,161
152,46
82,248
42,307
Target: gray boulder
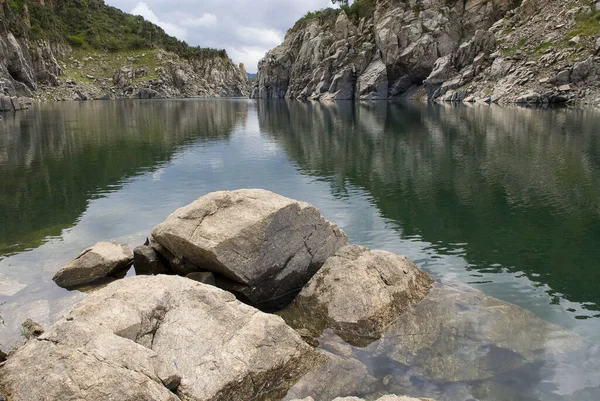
x,y
358,292
123,77
5,103
99,261
158,338
202,277
260,245
582,70
147,261
147,93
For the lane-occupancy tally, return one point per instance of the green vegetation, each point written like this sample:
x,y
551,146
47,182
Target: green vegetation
x,y
587,25
512,50
101,65
541,48
361,9
358,9
325,15
91,24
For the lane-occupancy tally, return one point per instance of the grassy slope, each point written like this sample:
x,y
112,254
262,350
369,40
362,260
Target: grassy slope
x,y
92,25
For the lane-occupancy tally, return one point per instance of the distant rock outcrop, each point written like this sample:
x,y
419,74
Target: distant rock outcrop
x,y
439,50
48,63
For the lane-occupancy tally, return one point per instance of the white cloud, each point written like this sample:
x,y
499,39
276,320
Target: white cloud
x,y
247,55
247,29
142,9
206,20
264,36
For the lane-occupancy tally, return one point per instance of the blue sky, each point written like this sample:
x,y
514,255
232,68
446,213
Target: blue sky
x,y
247,29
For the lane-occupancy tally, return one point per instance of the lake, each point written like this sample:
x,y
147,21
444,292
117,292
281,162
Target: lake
x,y
506,200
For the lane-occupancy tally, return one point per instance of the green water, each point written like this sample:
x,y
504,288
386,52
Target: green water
x,y
504,199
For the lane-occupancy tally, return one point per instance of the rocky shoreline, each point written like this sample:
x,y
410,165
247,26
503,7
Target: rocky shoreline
x,y
250,295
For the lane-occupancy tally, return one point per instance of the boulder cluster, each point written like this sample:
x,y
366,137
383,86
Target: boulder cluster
x,y
193,323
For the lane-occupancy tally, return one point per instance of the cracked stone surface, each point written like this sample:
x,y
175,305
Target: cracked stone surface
x,y
262,245
358,292
158,338
101,260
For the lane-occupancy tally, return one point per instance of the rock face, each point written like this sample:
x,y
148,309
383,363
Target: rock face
x,y
358,292
260,245
99,261
159,338
384,53
179,77
438,50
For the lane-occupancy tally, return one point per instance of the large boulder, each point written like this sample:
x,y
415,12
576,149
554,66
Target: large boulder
x,y
123,77
102,260
358,292
6,103
158,338
260,245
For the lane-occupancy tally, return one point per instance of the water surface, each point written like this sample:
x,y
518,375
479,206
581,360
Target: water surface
x,y
506,200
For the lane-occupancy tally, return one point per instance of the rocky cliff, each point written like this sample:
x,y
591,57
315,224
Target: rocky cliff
x,y
63,50
488,50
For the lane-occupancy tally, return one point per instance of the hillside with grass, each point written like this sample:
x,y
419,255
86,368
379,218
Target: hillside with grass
x,y
82,49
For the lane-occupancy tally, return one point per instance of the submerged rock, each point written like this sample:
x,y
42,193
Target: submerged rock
x,y
262,246
336,376
457,333
147,261
358,292
99,261
159,338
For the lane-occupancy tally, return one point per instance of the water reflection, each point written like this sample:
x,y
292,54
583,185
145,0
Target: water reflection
x,y
54,159
509,189
507,199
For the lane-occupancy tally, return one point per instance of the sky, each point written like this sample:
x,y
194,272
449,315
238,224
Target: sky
x,y
247,29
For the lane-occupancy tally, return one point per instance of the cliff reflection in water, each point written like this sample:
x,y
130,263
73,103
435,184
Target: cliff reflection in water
x,y
506,188
55,159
